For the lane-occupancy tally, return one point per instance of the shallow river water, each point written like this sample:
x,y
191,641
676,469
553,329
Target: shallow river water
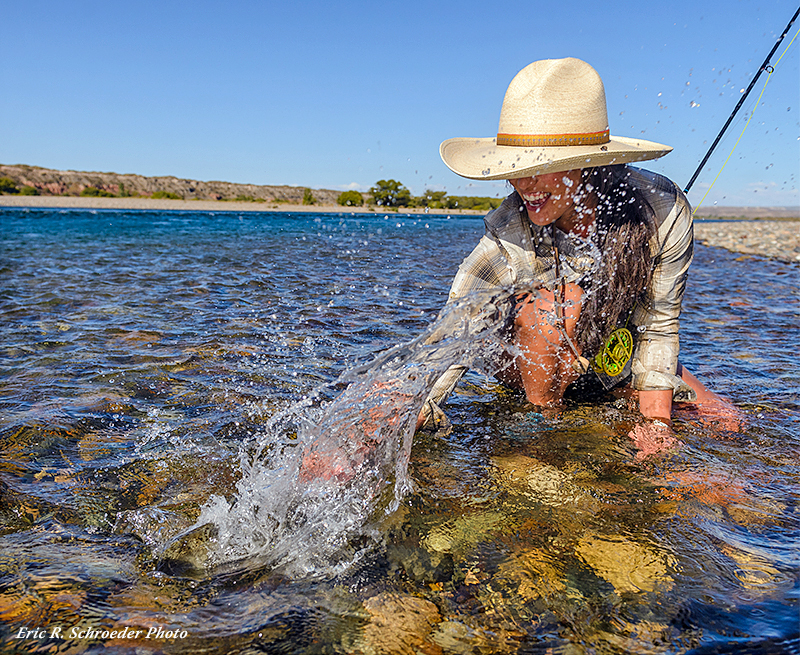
x,y
168,379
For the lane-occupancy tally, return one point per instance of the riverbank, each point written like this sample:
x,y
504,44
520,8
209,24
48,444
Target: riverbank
x,y
778,239
165,204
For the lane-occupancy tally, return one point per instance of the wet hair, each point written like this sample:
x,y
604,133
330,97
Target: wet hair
x,y
625,223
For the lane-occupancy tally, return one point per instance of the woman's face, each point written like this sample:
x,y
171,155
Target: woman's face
x,y
548,197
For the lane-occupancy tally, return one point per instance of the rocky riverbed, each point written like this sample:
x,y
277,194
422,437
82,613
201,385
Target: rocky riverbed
x,y
775,239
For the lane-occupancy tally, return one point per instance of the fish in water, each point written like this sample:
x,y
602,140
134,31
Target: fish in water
x,y
369,426
297,507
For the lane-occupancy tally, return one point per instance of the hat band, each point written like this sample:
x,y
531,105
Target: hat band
x,y
585,139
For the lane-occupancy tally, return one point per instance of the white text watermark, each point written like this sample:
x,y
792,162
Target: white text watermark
x,y
81,632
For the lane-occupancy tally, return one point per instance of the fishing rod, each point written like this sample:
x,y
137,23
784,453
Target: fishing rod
x,y
764,66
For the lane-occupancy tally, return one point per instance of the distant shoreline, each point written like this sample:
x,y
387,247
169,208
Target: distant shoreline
x,y
164,204
768,232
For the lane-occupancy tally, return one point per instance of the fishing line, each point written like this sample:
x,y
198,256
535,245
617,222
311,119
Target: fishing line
x,y
762,68
770,71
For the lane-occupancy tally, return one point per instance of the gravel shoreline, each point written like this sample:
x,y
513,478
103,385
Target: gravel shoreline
x,y
774,239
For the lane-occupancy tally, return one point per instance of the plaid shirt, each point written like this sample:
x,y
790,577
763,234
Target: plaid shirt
x,y
516,253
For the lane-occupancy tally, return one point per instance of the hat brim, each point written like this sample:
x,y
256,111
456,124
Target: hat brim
x,y
483,159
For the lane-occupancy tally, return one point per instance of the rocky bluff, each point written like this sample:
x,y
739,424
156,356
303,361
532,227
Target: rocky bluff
x,y
72,183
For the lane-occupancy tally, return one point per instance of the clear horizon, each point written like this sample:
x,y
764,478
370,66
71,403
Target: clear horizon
x,y
340,95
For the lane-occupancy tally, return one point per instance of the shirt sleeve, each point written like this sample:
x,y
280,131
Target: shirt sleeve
x,y
655,359
484,268
480,270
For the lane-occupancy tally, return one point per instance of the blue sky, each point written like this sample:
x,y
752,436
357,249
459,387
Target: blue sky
x,y
341,94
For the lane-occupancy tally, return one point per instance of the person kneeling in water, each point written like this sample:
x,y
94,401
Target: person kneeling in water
x,y
602,249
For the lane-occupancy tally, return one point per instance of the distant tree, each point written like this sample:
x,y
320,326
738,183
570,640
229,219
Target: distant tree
x,y
8,186
453,202
350,199
94,192
431,198
123,193
166,194
28,191
308,197
390,193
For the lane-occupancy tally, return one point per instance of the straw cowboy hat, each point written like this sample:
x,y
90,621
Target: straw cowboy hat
x,y
553,119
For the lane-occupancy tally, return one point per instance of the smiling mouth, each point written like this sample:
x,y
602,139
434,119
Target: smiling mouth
x,y
535,200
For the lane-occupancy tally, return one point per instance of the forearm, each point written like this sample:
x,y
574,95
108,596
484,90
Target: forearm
x,y
656,404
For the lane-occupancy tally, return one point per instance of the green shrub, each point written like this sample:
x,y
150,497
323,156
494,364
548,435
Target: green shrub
x,y
350,199
433,199
7,185
308,197
440,200
28,191
166,194
471,202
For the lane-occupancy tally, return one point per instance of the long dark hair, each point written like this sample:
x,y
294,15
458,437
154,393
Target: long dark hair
x,y
625,223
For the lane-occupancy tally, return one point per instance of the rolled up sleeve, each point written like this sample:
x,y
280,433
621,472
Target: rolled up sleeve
x,y
486,267
655,359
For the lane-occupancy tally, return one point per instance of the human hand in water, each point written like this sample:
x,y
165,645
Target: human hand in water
x,y
333,463
716,414
710,409
652,438
363,420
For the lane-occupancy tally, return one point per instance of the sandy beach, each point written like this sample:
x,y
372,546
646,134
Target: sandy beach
x,y
768,231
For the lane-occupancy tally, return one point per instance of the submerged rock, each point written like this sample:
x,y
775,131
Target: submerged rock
x,y
463,532
539,481
397,624
188,553
536,573
629,566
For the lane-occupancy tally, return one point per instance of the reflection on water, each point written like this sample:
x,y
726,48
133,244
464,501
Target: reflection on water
x,y
163,371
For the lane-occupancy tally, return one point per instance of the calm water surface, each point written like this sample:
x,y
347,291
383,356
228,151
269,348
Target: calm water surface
x,y
147,358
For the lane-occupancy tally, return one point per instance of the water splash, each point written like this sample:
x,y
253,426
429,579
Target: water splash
x,y
329,466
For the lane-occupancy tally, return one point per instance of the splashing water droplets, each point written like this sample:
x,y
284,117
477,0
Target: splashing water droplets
x,y
329,466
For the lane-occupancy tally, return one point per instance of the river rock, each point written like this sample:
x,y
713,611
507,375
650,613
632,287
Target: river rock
x,y
774,239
